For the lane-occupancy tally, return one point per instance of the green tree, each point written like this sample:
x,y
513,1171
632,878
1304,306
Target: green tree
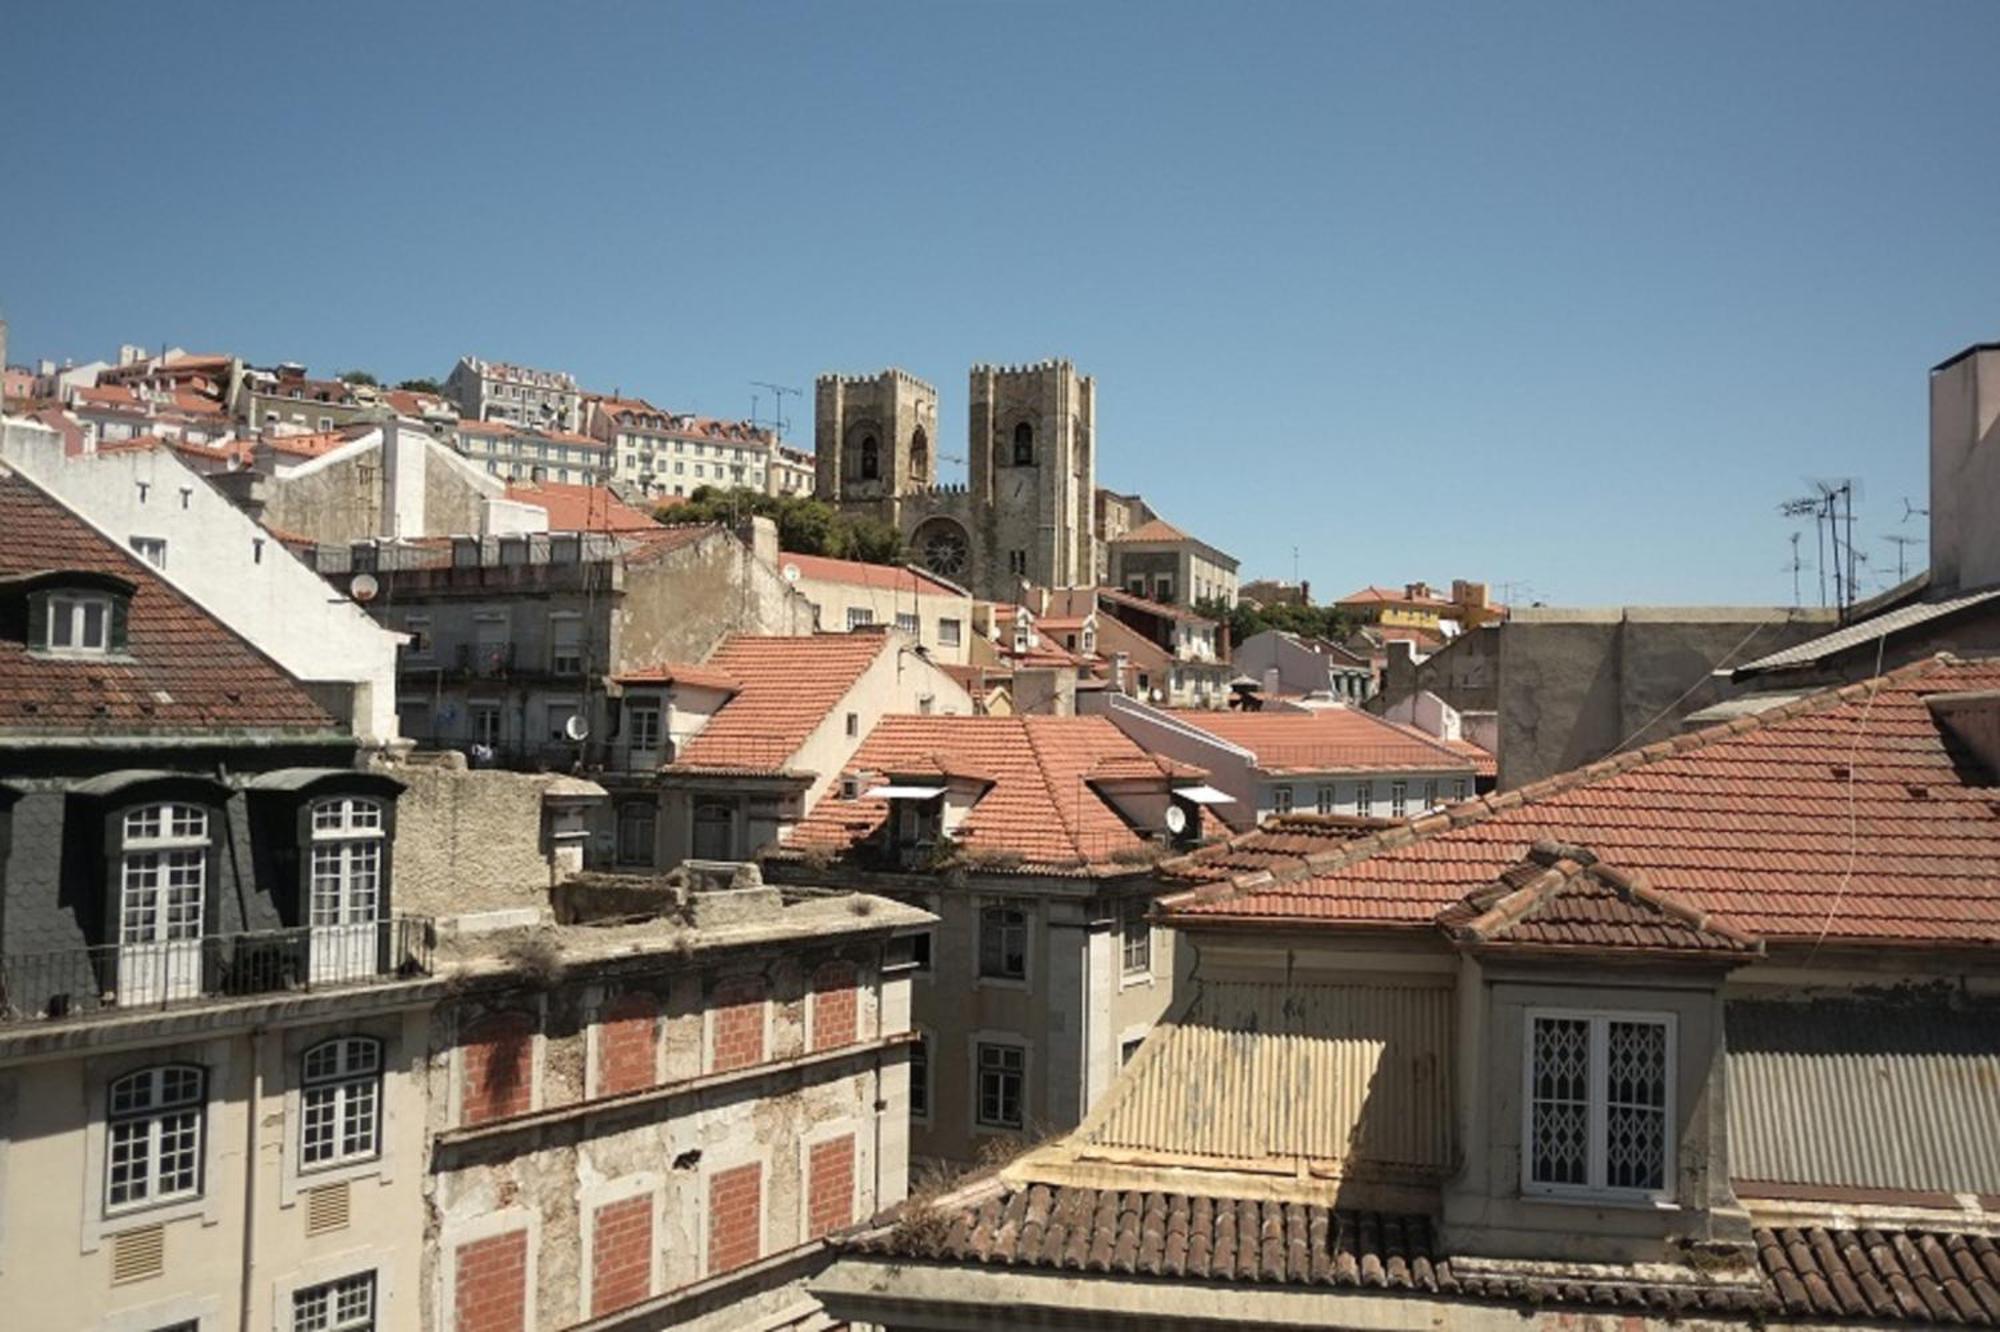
x,y
359,377
805,526
421,386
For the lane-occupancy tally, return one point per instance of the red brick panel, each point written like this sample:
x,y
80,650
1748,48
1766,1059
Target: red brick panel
x,y
499,1067
627,1045
739,1023
833,1006
830,1186
735,1218
621,1255
491,1290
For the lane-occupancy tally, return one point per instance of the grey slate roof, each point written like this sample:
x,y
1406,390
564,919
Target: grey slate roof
x,y
1900,620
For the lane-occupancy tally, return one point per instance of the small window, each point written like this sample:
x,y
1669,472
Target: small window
x,y
566,644
1460,789
1431,793
1003,941
1599,1103
1323,800
1364,799
340,1103
1002,1083
920,1077
1129,1048
79,623
638,821
859,617
949,632
153,1137
853,724
1136,945
1399,799
418,627
643,717
346,1305
1017,562
153,550
908,624
1281,800
1024,445
920,951
871,459
1163,589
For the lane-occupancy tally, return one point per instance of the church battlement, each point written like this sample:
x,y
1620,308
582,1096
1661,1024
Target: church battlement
x,y
869,381
1035,368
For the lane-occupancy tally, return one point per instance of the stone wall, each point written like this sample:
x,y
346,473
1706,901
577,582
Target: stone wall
x,y
468,841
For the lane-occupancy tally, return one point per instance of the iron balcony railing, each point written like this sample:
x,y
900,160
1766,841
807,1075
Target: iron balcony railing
x,y
101,981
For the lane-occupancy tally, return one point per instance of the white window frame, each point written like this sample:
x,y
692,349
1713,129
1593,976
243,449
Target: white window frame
x,y
1324,799
153,550
350,1095
859,617
1364,799
339,1310
656,730
923,1047
1281,799
1399,800
1131,913
562,661
146,1125
348,855
1594,1189
73,609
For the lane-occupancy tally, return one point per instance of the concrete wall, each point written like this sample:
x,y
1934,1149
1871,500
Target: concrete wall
x,y
679,606
1575,685
56,1243
468,841
231,567
1965,471
347,495
1464,672
884,605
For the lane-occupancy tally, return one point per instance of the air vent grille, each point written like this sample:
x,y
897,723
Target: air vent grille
x,y
326,1209
138,1254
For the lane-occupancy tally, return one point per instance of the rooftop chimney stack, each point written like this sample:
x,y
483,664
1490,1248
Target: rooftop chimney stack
x,y
1965,471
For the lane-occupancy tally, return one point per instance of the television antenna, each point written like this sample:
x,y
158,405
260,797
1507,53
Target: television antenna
x,y
1910,510
1794,567
779,422
1902,545
1831,507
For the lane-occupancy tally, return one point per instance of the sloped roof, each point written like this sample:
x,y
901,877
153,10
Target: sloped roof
x,y
577,508
1326,740
786,687
1864,632
1159,529
858,573
1041,807
1844,816
1563,897
679,673
1279,841
183,670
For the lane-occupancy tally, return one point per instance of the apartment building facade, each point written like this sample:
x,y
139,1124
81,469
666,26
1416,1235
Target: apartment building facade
x,y
673,453
848,594
524,453
517,394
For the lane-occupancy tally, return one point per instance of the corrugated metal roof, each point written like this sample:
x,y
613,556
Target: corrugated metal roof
x,y
1864,631
1349,1074
1865,1096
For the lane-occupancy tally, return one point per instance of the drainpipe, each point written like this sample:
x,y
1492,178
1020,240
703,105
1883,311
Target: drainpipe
x,y
250,1175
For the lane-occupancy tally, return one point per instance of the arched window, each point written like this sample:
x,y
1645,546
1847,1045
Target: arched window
x,y
153,1136
1024,445
344,900
920,454
340,1102
162,899
871,459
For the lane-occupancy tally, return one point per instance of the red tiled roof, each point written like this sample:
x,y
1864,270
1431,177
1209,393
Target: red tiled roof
x,y
186,671
856,573
1889,1274
576,508
1281,840
314,445
1159,529
409,402
1118,596
1326,740
788,686
681,673
1563,897
1483,761
1844,816
1041,806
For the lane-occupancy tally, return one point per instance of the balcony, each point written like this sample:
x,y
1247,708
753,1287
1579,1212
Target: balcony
x,y
79,983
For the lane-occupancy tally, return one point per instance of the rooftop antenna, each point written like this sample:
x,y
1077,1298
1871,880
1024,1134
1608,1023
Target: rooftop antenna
x,y
1910,510
1795,566
779,421
1902,545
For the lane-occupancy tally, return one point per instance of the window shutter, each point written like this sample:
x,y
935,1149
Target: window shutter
x,y
120,608
38,621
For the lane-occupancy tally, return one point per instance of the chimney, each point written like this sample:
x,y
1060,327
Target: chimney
x,y
1222,640
1965,470
403,464
1971,721
1270,682
760,537
1120,661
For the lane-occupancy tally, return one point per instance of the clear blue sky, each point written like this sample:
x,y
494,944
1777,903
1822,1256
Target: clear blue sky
x,y
1568,296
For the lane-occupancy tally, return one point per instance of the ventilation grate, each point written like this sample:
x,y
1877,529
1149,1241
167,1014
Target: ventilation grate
x,y
326,1209
138,1254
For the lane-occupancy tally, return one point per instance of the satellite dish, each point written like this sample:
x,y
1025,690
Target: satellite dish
x,y
576,728
791,572
1159,696
363,588
1176,820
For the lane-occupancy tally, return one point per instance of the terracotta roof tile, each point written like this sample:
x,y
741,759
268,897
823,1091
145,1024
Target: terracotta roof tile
x,y
575,508
1041,806
681,673
787,686
1159,529
1563,897
1327,740
1845,816
1281,840
184,671
855,573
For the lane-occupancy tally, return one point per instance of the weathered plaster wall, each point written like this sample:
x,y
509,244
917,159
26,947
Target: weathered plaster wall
x,y
468,840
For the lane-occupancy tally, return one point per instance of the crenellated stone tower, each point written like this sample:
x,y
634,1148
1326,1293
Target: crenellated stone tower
x,y
1027,515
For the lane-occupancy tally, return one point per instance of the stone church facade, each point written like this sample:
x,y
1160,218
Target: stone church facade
x,y
1026,513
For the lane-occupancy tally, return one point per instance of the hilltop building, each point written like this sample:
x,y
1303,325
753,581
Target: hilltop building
x,y
496,391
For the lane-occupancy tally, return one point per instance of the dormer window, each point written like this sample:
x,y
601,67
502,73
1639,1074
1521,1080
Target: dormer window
x,y
70,613
1599,1105
78,623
